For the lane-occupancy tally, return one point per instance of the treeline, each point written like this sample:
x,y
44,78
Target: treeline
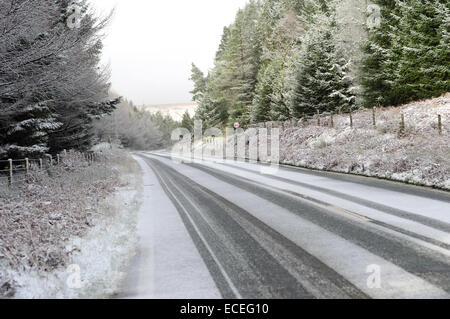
x,y
134,128
281,59
51,85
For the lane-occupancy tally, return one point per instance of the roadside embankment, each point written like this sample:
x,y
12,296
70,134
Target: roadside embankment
x,y
70,231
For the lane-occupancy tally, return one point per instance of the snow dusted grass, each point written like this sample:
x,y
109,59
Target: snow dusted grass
x,y
419,155
75,214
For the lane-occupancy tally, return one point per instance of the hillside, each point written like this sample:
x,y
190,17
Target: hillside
x,y
176,111
418,155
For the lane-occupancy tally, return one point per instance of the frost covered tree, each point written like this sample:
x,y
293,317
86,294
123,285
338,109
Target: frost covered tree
x,y
199,80
276,61
262,103
408,57
279,46
50,84
242,56
130,127
28,130
26,51
231,83
187,121
210,96
165,125
322,83
213,113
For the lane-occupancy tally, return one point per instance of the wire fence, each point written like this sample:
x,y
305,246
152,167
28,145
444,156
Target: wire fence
x,y
327,119
16,171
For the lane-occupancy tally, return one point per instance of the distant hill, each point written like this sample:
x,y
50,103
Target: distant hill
x,y
176,111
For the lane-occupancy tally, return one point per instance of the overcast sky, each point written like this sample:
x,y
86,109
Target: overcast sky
x,y
152,43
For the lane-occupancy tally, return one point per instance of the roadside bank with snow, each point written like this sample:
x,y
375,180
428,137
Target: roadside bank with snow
x,y
417,155
90,242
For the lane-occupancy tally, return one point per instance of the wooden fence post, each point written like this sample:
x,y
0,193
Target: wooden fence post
x,y
10,172
50,159
27,166
331,119
402,124
40,164
318,117
440,124
374,120
351,118
57,159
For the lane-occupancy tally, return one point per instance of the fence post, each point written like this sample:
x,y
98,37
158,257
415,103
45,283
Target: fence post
x,y
50,159
40,164
402,124
374,120
331,119
27,166
351,118
57,159
440,124
318,117
10,173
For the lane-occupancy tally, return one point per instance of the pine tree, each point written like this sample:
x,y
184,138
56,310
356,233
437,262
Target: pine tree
x,y
262,102
279,97
230,85
282,31
27,135
199,80
424,64
26,104
321,83
187,122
408,57
242,60
51,87
213,113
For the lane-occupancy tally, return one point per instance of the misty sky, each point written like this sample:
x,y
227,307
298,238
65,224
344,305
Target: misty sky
x,y
152,43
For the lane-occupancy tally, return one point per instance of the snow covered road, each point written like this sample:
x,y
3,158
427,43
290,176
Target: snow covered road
x,y
222,229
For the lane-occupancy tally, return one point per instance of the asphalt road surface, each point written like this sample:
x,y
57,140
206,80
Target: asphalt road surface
x,y
225,230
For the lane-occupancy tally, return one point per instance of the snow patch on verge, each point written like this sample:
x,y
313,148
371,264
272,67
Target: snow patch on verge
x,y
101,255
